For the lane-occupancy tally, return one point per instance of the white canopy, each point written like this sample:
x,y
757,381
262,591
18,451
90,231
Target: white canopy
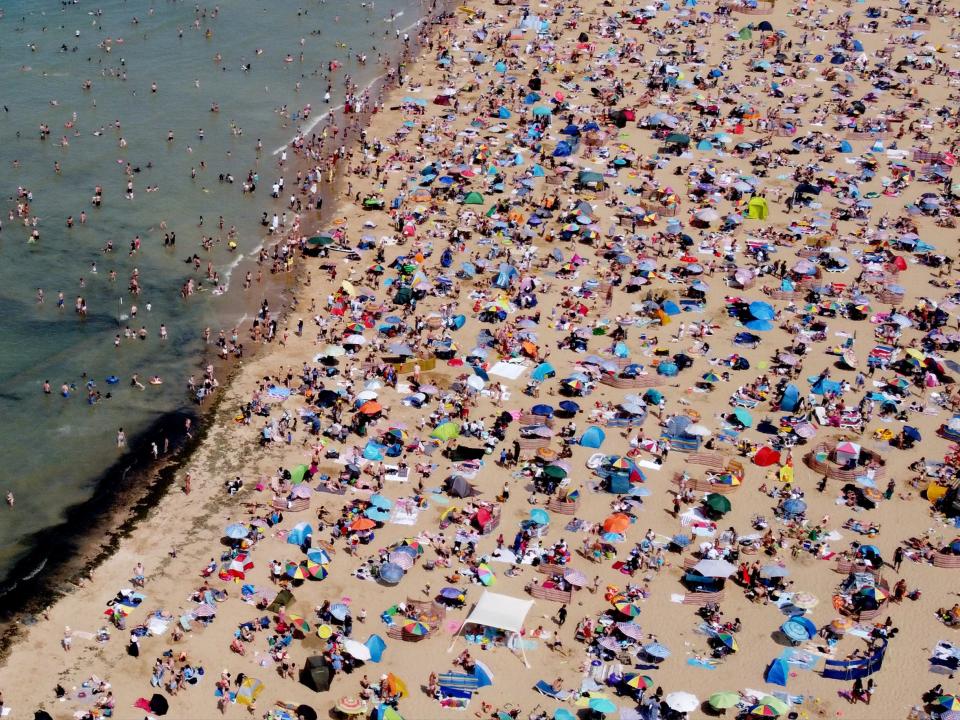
x,y
500,611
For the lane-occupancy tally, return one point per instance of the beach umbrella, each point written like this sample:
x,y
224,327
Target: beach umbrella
x,y
774,571
351,705
305,712
794,506
718,503
361,524
795,631
609,643
602,705
417,629
379,501
630,629
638,682
763,710
743,417
370,407
401,559
575,578
237,531
841,625
776,703
724,700
762,310
485,574
563,714
298,622
340,611
678,139
626,607
249,690
318,555
683,702
391,573
296,571
804,600
729,640
656,650
873,593
698,430
715,568
947,702
680,540
356,649
158,706
540,516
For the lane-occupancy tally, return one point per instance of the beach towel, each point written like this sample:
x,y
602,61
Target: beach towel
x,y
701,663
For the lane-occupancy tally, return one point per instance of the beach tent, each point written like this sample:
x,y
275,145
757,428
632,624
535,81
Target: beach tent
x,y
473,198
283,599
316,674
543,371
501,612
376,646
757,209
790,399
822,386
777,672
845,147
300,534
249,690
766,456
593,437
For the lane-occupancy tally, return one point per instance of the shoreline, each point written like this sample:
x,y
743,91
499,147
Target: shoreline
x,y
38,581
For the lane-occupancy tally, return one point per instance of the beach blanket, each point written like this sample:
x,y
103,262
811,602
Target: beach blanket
x,y
510,371
404,513
800,658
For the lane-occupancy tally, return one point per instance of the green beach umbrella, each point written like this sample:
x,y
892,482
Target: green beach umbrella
x,y
718,503
724,700
320,240
776,703
678,139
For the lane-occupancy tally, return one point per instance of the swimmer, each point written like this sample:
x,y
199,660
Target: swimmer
x,y
10,499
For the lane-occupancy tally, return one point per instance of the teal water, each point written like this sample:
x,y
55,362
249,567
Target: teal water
x,y
55,449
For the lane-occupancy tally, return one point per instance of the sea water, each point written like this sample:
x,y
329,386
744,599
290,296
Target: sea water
x,y
54,449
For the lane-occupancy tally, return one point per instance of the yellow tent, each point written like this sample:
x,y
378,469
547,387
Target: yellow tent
x,y
757,209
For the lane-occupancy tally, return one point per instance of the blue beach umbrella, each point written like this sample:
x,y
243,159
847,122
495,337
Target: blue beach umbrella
x,y
237,531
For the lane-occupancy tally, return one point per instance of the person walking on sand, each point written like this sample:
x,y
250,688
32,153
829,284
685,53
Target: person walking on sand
x,y
561,616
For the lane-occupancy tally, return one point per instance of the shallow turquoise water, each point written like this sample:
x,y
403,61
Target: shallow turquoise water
x,y
53,449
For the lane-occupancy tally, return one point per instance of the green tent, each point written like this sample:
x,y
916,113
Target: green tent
x,y
296,475
403,297
745,34
678,139
586,177
283,599
446,431
757,209
718,503
473,198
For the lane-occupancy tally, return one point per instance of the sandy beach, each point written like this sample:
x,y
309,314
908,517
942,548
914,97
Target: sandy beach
x,y
725,298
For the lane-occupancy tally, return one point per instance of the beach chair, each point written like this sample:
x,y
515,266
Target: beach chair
x,y
545,688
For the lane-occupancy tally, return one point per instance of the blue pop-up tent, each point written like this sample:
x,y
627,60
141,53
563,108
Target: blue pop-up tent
x,y
376,646
593,437
543,371
777,672
790,399
300,534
